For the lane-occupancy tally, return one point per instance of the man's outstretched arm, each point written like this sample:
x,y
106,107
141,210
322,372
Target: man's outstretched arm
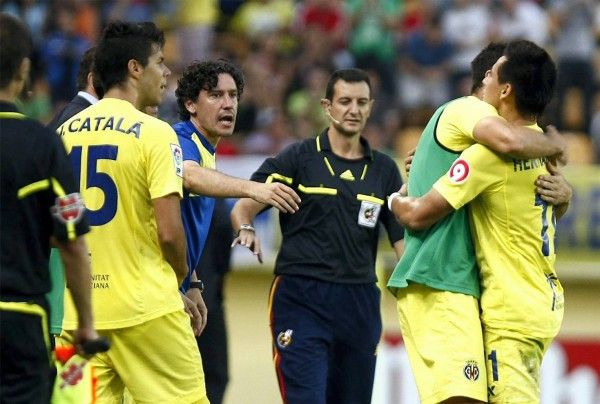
x,y
205,181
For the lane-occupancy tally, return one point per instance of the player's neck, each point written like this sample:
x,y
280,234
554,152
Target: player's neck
x,y
348,147
123,92
513,116
212,139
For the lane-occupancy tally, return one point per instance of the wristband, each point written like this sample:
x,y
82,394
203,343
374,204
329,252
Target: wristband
x,y
245,226
391,199
197,285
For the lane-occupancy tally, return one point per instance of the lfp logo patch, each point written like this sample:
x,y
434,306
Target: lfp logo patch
x,y
69,208
459,172
177,159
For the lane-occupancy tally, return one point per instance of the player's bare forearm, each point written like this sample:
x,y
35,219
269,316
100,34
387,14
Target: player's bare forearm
x,y
171,235
76,261
419,213
517,141
205,181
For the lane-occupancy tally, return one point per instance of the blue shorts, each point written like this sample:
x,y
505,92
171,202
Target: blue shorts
x,y
325,338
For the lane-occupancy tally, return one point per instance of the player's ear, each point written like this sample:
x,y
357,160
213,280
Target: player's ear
x,y
190,106
135,68
325,104
506,91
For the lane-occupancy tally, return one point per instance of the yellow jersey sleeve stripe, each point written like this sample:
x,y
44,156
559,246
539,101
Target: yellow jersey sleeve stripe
x,y
33,309
12,115
59,191
329,166
317,190
57,187
369,198
279,177
33,188
364,173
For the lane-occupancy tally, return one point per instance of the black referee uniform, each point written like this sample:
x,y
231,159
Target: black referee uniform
x,y
39,199
325,305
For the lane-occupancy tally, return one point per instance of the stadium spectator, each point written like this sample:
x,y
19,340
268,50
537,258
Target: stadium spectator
x,y
62,51
425,62
466,25
520,19
573,29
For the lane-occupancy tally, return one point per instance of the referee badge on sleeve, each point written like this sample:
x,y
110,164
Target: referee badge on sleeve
x,y
68,209
177,159
368,214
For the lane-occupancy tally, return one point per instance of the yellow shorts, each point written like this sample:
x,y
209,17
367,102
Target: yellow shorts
x,y
513,366
158,361
444,342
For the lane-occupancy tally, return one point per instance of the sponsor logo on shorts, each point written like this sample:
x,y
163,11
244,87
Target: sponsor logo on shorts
x,y
471,370
69,208
285,338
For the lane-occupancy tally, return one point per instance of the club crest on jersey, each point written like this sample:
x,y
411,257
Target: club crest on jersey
x,y
368,214
177,159
459,172
471,370
285,338
69,208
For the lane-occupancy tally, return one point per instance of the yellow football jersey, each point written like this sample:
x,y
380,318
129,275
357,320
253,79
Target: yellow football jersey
x,y
454,130
123,159
513,231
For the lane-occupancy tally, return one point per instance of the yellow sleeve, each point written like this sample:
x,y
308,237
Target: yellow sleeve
x,y
455,128
476,170
164,161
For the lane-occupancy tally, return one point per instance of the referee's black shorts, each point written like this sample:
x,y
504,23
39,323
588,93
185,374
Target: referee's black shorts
x,y
24,357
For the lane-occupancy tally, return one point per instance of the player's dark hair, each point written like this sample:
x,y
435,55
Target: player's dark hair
x,y
204,76
121,42
532,73
347,75
484,62
15,45
86,66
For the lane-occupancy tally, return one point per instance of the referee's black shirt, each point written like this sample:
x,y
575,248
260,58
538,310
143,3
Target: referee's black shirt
x,y
334,235
38,199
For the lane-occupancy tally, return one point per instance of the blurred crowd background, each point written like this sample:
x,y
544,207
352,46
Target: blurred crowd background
x,y
417,52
